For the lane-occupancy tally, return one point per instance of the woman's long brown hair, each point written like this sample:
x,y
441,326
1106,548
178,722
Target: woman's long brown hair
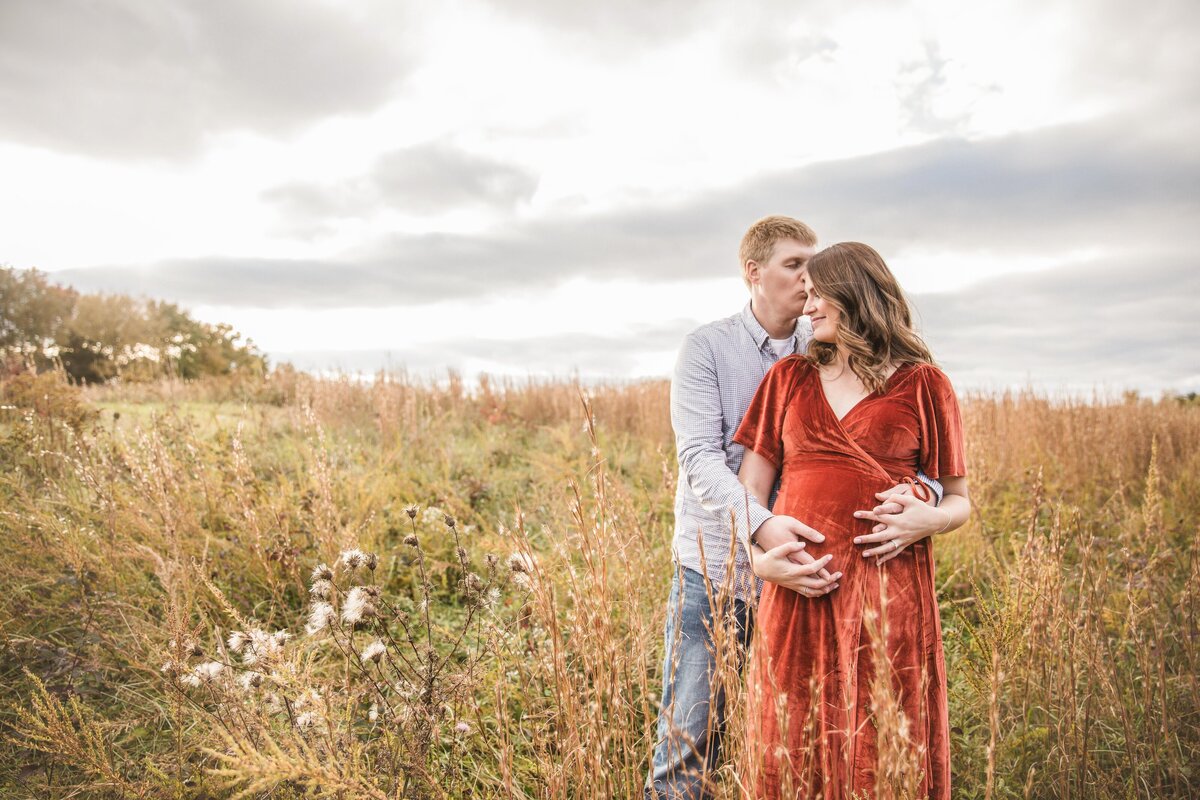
x,y
875,330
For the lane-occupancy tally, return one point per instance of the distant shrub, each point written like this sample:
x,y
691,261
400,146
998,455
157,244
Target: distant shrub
x,y
96,338
48,397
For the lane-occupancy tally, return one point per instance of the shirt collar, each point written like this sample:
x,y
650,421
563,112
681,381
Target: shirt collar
x,y
760,336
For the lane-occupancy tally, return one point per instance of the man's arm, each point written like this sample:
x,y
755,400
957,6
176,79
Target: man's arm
x,y
698,422
934,487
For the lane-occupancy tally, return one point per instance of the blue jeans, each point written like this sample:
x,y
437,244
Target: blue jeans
x,y
692,717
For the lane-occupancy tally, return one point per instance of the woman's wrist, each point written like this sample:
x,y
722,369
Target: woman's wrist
x,y
949,519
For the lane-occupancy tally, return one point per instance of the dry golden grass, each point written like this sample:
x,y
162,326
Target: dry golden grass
x,y
143,536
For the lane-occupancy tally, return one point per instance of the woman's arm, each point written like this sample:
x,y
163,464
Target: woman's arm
x,y
758,476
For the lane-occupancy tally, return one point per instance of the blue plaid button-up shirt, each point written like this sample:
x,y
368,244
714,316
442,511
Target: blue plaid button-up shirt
x,y
716,375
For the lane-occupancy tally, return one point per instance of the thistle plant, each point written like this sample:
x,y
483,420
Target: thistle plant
x,y
368,701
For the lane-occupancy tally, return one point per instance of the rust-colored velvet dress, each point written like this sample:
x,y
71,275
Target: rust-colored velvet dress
x,y
820,647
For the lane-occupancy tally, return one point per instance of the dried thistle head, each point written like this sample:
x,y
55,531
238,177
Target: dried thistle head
x,y
520,563
473,583
359,607
374,652
411,511
449,520
355,558
185,647
319,617
250,680
236,641
322,572
207,672
412,541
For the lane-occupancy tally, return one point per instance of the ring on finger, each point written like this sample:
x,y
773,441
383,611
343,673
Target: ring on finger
x,y
895,544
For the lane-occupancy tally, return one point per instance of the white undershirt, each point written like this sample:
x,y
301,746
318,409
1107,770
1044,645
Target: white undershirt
x,y
783,347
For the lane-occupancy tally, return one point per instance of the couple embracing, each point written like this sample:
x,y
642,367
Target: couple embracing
x,y
820,451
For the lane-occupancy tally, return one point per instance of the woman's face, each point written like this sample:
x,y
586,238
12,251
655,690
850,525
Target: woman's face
x,y
823,315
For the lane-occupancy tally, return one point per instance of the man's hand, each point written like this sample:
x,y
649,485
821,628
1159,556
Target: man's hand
x,y
914,520
777,565
782,529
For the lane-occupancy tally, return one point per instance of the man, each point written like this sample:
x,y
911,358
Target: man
x,y
717,373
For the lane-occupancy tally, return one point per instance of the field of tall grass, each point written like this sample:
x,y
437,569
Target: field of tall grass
x,y
298,587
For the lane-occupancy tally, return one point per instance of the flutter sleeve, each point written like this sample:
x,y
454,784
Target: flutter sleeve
x,y
762,427
943,454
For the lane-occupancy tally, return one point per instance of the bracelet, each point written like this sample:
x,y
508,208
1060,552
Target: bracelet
x,y
949,519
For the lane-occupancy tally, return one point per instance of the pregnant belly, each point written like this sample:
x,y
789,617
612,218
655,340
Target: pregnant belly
x,y
825,497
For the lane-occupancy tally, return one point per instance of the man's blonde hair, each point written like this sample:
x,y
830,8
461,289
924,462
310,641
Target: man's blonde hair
x,y
759,241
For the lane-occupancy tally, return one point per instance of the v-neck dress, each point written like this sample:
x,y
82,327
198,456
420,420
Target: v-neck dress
x,y
820,648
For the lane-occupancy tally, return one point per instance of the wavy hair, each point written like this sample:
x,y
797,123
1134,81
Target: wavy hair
x,y
875,329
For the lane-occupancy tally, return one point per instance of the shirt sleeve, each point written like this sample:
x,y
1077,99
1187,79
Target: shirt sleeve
x,y
762,427
699,424
943,454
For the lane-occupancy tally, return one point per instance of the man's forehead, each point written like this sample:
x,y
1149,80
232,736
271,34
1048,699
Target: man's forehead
x,y
793,248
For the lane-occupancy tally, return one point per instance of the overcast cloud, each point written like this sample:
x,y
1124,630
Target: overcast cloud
x,y
1055,190
1108,325
136,79
426,179
1031,169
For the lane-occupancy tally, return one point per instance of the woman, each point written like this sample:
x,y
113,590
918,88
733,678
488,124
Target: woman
x,y
864,410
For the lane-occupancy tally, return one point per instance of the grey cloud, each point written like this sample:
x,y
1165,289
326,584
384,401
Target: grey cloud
x,y
759,34
1054,189
615,21
137,78
1103,185
1110,323
918,85
583,354
1141,52
426,179
1106,324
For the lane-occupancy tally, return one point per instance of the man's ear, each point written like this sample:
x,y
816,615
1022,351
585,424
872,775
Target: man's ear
x,y
750,271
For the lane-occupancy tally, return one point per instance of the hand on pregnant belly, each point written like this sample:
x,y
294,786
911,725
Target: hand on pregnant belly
x,y
792,568
896,530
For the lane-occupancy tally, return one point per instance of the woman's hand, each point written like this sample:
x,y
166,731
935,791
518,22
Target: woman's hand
x,y
915,520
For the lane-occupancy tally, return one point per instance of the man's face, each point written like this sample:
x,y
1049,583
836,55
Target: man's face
x,y
779,283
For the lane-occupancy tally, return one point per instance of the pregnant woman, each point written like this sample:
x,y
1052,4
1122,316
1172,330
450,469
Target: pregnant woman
x,y
864,410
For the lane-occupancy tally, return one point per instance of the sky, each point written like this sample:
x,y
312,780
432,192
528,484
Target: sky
x,y
530,187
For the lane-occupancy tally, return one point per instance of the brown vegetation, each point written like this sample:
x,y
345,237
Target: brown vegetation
x,y
506,642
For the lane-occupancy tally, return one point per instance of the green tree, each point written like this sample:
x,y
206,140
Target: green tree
x,y
34,314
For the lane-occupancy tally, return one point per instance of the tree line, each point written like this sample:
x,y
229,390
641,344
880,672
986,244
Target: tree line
x,y
95,338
